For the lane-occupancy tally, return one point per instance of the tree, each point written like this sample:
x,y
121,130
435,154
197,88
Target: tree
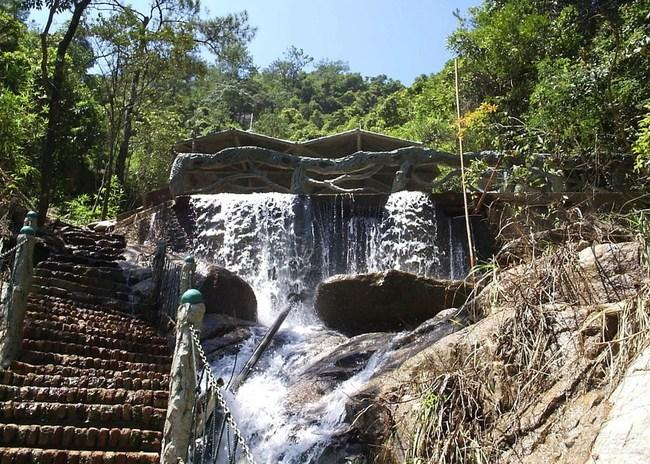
x,y
154,56
53,85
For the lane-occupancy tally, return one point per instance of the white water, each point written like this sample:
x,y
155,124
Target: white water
x,y
283,245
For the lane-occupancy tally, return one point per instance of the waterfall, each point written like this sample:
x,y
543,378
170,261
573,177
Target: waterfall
x,y
283,245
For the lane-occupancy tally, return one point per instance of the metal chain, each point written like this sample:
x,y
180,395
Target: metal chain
x,y
11,250
212,381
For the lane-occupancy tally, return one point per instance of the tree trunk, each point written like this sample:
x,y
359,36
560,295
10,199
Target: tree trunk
x,y
120,162
129,111
54,112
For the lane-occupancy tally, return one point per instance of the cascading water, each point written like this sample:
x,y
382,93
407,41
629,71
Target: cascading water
x,y
283,245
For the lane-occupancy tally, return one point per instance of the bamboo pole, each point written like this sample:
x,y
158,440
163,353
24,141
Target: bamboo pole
x,y
470,241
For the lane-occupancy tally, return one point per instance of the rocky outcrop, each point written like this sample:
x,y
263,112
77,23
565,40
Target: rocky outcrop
x,y
387,301
532,377
611,271
226,293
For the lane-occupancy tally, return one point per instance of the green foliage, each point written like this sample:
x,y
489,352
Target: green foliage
x,y
642,145
84,209
20,123
567,78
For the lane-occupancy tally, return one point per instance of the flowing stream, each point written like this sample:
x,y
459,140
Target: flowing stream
x,y
283,245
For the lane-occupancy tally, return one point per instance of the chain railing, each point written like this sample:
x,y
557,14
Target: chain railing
x,y
170,288
172,277
7,262
215,430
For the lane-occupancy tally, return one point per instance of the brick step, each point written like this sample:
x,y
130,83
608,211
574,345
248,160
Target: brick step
x,y
77,288
86,236
67,307
91,243
89,380
83,325
35,332
85,261
35,357
82,279
53,323
82,415
87,298
66,371
10,455
109,273
155,398
80,438
64,348
100,255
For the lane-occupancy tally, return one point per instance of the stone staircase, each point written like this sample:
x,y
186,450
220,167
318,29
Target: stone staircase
x,y
91,383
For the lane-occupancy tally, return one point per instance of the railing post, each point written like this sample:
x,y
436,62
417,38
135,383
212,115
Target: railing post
x,y
13,313
182,381
187,274
157,270
31,220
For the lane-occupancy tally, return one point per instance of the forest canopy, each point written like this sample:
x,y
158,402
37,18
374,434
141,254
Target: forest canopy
x,y
92,101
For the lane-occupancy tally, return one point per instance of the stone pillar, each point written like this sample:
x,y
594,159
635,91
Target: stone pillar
x,y
13,311
187,274
182,381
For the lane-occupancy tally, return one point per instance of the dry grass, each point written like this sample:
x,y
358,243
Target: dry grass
x,y
483,401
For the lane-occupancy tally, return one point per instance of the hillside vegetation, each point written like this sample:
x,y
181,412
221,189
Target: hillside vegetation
x,y
88,126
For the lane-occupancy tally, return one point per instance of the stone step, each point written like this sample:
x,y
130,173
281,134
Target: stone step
x,y
98,352
99,254
154,398
63,306
54,323
36,357
87,281
90,243
87,298
111,328
53,306
94,293
108,273
36,332
82,415
80,438
9,455
84,261
67,371
87,380
83,236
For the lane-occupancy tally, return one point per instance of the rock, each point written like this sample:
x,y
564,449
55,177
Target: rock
x,y
222,335
625,435
226,293
611,272
385,301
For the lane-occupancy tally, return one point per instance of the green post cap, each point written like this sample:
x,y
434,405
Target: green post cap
x,y
27,230
192,296
32,214
189,259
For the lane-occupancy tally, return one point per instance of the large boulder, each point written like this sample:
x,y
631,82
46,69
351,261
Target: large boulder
x,y
226,293
387,301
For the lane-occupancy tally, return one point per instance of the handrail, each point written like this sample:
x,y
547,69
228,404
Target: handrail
x,y
195,421
13,299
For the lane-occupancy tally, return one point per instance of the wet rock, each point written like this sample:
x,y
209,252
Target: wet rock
x,y
348,358
387,301
226,293
223,334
